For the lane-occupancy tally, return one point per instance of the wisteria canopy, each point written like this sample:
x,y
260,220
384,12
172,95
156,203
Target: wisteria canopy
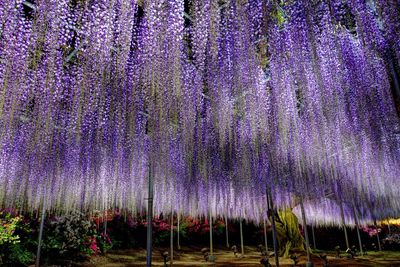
x,y
219,100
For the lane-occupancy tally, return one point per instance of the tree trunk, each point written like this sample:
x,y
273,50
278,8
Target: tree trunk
x,y
289,236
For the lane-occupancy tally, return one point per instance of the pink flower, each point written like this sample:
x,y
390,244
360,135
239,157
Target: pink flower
x,y
371,231
93,244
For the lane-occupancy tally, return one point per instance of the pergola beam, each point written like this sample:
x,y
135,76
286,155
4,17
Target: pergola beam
x,y
30,5
186,15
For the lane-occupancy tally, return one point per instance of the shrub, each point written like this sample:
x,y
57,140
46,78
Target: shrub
x,y
392,242
15,240
8,225
19,255
71,236
104,242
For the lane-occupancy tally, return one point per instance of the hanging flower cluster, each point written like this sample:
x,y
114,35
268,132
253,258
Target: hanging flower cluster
x,y
336,123
216,100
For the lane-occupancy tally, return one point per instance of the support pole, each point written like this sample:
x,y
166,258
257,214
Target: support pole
x,y
37,262
274,234
241,236
344,224
177,232
388,224
226,231
265,237
105,223
149,246
105,228
377,236
211,241
358,229
303,215
171,257
313,237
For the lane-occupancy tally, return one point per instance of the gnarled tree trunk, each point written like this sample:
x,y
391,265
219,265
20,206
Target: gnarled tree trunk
x,y
288,233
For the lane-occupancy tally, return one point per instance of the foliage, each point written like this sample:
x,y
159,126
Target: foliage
x,y
15,240
8,224
280,16
19,254
161,238
392,242
104,242
162,230
192,227
70,236
123,232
